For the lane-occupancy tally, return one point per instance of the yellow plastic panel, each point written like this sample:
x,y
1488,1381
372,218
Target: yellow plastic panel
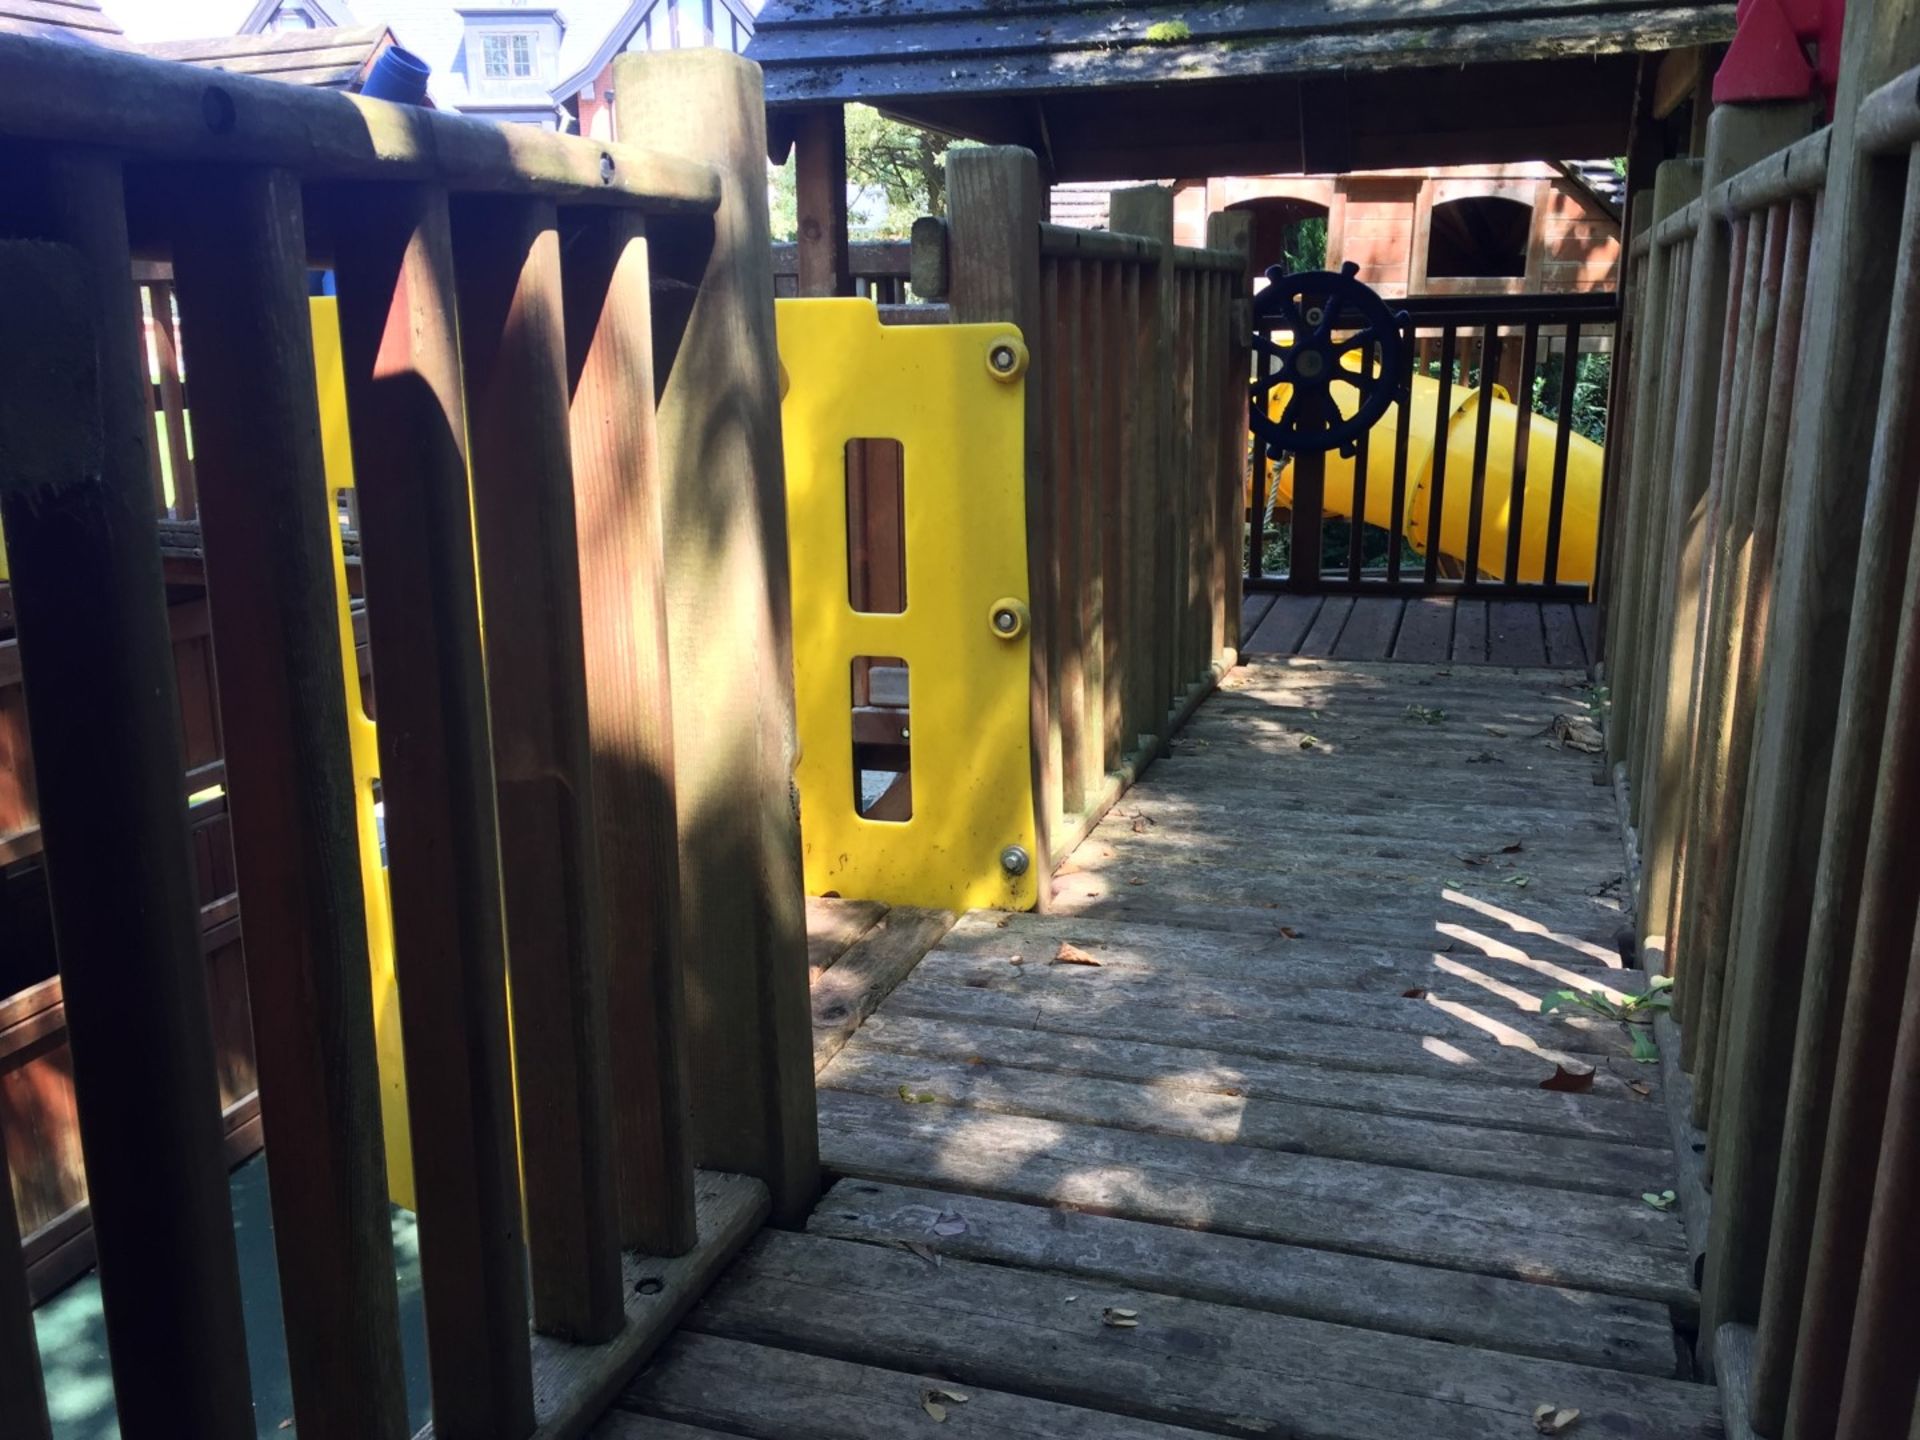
x,y
960,424
330,373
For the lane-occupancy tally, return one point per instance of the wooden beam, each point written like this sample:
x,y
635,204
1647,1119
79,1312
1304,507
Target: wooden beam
x,y
239,253
409,429
506,255
730,634
820,193
1678,79
76,499
617,489
993,262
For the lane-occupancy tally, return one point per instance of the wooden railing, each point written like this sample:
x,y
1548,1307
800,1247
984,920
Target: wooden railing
x,y
1763,658
879,268
532,430
1135,453
1470,345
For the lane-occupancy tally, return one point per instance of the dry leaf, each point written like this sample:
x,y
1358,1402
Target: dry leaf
x,y
1069,954
1142,822
1288,932
1136,880
1571,1077
1576,732
1554,1419
1003,922
1640,1088
935,1399
1308,742
1514,849
286,1424
1496,729
949,1223
1016,959
1414,994
975,1060
1120,1319
923,1251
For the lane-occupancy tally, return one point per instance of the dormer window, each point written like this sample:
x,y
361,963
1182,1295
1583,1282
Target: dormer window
x,y
507,56
512,48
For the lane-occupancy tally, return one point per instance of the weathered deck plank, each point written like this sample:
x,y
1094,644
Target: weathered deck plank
x,y
1220,1367
1284,1095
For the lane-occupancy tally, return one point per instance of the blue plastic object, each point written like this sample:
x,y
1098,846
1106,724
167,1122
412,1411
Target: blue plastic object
x,y
398,75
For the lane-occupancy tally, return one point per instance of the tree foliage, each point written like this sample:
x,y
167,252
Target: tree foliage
x,y
895,172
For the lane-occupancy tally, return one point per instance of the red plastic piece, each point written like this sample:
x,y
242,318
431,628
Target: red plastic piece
x,y
1766,60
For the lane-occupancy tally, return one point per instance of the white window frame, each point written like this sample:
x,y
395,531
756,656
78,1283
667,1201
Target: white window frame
x,y
528,44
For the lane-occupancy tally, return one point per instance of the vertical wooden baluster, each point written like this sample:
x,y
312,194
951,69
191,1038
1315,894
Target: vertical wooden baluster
x,y
408,422
23,1398
730,631
1186,451
1482,431
1437,465
76,493
617,485
1522,438
1069,397
1402,429
1147,211
1143,431
1115,513
150,391
1094,420
240,258
506,256
1206,463
1357,513
1232,230
1562,447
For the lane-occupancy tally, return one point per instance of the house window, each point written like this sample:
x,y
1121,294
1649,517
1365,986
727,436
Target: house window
x,y
507,57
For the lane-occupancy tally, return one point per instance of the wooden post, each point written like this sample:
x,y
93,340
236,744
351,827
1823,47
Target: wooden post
x,y
239,253
76,500
1147,211
409,430
993,256
1843,355
617,492
506,254
730,634
1740,135
1233,230
23,1398
820,194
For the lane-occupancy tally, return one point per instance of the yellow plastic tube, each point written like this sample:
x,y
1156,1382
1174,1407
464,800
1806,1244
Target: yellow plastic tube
x,y
1580,519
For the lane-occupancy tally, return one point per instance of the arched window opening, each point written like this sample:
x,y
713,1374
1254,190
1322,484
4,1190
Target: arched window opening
x,y
1478,236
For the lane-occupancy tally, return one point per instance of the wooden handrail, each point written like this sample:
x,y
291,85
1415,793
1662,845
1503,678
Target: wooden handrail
x,y
161,110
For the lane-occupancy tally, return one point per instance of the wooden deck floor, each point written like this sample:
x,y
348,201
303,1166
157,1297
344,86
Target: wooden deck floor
x,y
1435,629
1253,1135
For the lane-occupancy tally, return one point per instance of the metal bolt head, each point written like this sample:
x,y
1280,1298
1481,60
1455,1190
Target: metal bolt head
x,y
1315,314
1002,358
1005,621
1014,860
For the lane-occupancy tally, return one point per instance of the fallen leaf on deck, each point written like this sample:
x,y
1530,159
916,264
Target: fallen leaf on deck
x,y
912,1097
1644,1048
1485,757
934,1401
1307,742
1496,729
1514,849
1136,880
1141,824
1016,960
1659,1200
1576,732
1003,922
1640,1088
1570,1077
1120,1319
1415,994
1288,932
1069,954
949,1223
923,1251
1554,1419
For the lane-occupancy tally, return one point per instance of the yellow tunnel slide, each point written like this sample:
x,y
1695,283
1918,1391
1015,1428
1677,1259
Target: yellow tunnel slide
x,y
1580,519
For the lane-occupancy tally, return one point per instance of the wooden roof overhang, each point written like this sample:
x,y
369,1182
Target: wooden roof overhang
x,y
1104,91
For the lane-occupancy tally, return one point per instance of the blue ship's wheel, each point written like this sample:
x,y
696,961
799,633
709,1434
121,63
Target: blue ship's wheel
x,y
1310,307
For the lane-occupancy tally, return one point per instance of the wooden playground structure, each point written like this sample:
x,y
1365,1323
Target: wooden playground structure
x,y
1348,1076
